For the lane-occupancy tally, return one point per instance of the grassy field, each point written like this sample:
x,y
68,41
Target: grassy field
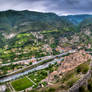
x,y
21,84
36,77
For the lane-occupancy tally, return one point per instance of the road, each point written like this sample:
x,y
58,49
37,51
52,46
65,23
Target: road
x,y
17,75
42,58
18,62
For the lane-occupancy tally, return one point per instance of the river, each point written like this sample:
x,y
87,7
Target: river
x,y
15,76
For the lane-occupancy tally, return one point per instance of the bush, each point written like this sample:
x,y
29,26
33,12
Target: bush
x,y
67,76
71,81
51,90
90,86
83,68
82,89
30,63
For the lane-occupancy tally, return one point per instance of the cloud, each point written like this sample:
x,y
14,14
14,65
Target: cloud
x,y
61,7
71,6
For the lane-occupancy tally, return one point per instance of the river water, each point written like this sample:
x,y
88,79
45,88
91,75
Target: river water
x,y
15,76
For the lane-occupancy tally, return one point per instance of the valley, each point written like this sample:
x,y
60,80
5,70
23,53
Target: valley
x,y
44,52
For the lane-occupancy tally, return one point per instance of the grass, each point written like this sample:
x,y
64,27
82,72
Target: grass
x,y
68,79
7,90
82,89
90,84
86,88
71,77
38,76
68,76
21,84
51,90
72,81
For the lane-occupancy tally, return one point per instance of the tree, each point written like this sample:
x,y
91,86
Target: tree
x,y
30,63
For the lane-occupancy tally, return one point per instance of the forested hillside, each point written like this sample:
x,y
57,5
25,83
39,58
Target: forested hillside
x,y
24,33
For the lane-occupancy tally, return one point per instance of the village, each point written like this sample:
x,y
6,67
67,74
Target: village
x,y
61,65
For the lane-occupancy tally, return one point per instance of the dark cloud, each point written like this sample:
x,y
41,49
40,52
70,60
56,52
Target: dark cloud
x,y
57,6
70,6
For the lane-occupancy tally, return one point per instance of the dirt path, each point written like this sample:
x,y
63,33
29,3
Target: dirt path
x,y
30,80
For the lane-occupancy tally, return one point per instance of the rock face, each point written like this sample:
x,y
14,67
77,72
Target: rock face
x,y
73,60
9,36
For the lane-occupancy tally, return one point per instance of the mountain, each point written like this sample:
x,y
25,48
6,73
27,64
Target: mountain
x,y
17,21
77,19
26,21
24,33
14,22
27,37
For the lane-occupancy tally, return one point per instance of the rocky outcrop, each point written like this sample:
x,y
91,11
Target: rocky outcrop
x,y
9,36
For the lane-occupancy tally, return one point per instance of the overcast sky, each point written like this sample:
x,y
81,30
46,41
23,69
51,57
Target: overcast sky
x,y
61,7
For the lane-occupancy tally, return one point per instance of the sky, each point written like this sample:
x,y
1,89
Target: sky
x,y
60,7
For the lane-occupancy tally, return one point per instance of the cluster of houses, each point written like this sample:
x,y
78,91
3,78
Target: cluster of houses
x,y
84,46
27,62
61,49
73,60
47,48
69,63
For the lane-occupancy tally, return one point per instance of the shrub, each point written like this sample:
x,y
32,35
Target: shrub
x,y
82,89
71,81
83,68
67,76
51,90
90,86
